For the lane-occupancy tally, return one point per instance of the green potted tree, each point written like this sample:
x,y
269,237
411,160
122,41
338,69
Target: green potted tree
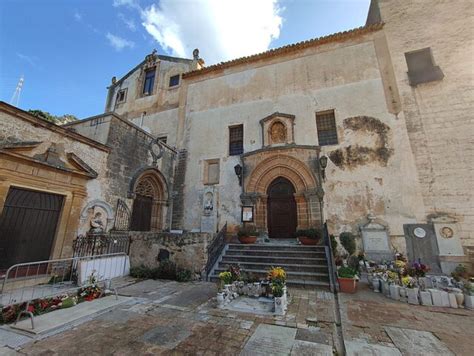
x,y
247,234
309,236
347,279
348,242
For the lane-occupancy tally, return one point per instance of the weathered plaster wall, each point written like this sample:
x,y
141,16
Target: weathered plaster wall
x,y
345,77
163,98
438,114
163,123
188,251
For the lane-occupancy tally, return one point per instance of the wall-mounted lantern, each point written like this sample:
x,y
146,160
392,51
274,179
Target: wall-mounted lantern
x,y
238,172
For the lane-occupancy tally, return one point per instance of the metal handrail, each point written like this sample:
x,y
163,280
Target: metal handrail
x,y
214,250
334,285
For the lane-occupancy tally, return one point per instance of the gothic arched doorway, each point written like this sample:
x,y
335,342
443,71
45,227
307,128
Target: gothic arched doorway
x,y
282,219
150,196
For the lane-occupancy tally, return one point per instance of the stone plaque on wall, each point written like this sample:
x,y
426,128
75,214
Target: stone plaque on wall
x,y
376,240
208,214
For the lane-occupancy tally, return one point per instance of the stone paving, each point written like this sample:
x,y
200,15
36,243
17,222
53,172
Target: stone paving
x,y
170,318
370,319
173,318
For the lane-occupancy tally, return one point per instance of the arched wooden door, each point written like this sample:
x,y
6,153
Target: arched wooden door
x,y
281,209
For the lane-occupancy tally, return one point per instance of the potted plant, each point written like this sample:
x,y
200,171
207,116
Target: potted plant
x,y
309,237
347,279
348,242
247,234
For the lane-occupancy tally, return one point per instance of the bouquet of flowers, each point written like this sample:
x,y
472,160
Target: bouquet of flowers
x,y
418,269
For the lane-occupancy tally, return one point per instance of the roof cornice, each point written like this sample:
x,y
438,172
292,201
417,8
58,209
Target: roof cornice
x,y
336,37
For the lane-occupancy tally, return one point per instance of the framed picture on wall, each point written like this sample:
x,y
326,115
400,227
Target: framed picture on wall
x,y
247,214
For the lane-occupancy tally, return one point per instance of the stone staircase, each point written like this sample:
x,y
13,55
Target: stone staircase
x,y
306,266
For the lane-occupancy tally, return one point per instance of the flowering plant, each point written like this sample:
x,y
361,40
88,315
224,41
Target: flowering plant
x,y
277,274
225,277
409,282
234,270
418,269
92,291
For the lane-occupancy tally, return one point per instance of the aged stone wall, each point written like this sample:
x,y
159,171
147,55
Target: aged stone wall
x,y
24,166
370,169
129,157
438,114
188,250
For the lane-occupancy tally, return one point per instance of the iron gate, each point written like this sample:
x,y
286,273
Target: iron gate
x,y
28,226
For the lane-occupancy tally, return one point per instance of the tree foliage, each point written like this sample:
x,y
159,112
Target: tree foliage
x,y
58,120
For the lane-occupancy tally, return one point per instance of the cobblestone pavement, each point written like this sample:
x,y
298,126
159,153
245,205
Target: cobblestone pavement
x,y
173,318
369,317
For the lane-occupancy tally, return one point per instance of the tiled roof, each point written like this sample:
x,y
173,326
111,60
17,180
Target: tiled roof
x,y
336,37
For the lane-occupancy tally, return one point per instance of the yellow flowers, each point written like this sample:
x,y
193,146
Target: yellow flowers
x,y
277,273
400,264
225,277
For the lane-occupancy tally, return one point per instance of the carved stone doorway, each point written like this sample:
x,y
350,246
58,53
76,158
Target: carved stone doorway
x,y
282,216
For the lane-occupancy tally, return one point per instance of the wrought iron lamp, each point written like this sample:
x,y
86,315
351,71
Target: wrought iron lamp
x,y
323,163
238,172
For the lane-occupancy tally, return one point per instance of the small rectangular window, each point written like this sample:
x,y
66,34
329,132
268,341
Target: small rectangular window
x,y
326,126
236,140
174,80
122,96
211,171
149,81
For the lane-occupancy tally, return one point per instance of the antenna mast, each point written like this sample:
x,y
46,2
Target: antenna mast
x,y
15,100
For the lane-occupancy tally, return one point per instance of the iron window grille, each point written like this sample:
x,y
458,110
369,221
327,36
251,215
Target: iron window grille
x,y
326,126
236,140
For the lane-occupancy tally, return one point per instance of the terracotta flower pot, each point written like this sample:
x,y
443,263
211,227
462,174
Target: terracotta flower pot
x,y
307,241
347,285
247,239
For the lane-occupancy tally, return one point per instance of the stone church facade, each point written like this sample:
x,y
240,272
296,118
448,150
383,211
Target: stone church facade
x,y
182,146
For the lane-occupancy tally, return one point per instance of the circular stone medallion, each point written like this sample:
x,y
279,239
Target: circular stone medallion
x,y
446,232
419,232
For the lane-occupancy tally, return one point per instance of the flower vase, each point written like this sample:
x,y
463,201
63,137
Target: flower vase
x,y
370,279
279,306
403,294
256,289
412,294
395,291
385,288
459,298
376,284
220,300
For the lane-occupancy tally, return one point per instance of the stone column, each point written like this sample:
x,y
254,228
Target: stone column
x,y
302,211
314,212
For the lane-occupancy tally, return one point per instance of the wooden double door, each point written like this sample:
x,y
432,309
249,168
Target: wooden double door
x,y
28,226
281,209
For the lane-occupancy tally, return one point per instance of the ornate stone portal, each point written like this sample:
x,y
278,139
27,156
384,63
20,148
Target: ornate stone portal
x,y
293,164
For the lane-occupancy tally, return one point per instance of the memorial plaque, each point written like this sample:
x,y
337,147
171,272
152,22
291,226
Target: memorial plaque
x,y
208,224
376,240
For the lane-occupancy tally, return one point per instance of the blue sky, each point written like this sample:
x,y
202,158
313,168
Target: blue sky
x,y
68,50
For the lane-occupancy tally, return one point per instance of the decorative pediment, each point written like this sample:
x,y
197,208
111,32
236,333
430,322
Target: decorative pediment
x,y
52,157
278,129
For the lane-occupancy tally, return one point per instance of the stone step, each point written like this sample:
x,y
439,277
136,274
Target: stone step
x,y
273,260
296,283
275,247
289,253
291,275
321,268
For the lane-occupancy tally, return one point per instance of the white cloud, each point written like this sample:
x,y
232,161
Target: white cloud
x,y
128,22
30,60
77,16
222,30
129,3
119,43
